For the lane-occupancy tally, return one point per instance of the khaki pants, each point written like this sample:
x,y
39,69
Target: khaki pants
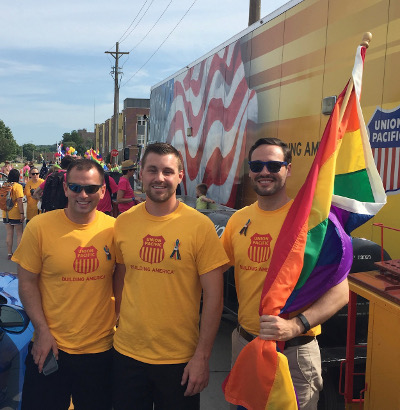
x,y
304,365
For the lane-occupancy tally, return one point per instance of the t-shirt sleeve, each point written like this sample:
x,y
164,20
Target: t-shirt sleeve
x,y
28,254
211,254
122,184
118,254
226,240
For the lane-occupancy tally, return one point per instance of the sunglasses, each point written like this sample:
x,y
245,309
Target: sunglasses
x,y
272,166
89,189
34,173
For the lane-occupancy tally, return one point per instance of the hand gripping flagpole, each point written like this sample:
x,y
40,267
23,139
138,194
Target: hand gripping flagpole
x,y
367,37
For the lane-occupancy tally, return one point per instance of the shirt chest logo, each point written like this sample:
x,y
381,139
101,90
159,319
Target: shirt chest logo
x,y
86,260
152,250
260,248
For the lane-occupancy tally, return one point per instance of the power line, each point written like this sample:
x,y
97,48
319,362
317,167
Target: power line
x,y
164,11
141,18
151,29
177,24
130,25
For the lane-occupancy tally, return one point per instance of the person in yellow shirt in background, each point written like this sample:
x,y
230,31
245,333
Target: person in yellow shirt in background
x,y
65,267
16,215
31,203
167,255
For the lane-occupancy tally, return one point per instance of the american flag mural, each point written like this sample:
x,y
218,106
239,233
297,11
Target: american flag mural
x,y
387,161
211,99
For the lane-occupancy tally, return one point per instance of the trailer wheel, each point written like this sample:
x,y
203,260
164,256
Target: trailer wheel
x,y
329,397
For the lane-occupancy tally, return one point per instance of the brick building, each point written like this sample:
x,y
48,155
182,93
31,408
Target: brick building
x,y
132,132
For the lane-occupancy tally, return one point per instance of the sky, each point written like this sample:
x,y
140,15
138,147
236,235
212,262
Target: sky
x,y
55,74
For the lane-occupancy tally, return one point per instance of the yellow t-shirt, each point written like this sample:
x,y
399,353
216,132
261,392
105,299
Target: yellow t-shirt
x,y
31,203
17,192
251,255
75,264
159,321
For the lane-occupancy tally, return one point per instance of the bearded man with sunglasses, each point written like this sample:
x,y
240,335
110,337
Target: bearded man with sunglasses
x,y
65,268
249,240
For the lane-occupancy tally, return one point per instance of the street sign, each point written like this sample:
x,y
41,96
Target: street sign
x,y
114,153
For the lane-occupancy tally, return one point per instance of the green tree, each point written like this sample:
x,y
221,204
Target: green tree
x,y
75,140
29,151
46,148
8,145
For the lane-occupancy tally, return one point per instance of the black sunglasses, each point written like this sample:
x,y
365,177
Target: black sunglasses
x,y
34,173
89,189
272,166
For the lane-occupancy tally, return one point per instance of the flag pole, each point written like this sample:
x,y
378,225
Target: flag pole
x,y
364,42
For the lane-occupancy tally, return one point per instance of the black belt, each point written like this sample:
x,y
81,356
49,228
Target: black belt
x,y
245,334
296,341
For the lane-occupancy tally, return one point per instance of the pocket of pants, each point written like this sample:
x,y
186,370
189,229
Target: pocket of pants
x,y
309,362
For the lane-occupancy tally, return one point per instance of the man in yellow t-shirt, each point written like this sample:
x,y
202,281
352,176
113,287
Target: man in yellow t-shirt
x,y
249,240
31,203
167,254
65,267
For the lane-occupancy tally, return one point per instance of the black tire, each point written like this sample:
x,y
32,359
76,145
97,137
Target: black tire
x,y
329,397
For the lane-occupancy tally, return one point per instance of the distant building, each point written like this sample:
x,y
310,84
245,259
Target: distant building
x,y
49,156
132,130
135,116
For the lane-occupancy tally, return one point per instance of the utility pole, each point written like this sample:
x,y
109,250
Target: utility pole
x,y
116,73
254,11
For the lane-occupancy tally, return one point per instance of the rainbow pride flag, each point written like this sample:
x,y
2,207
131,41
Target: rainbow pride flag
x,y
313,252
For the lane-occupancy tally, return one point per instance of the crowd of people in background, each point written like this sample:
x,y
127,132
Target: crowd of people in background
x,y
29,182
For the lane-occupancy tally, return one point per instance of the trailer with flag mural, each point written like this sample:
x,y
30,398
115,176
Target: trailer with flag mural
x,y
282,77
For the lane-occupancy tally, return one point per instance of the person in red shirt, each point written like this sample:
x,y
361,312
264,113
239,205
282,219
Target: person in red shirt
x,y
105,204
125,193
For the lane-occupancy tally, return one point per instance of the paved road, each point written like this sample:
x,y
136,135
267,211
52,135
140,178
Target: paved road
x,y
212,397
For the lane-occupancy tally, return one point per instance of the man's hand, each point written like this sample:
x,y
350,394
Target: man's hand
x,y
196,374
43,343
276,328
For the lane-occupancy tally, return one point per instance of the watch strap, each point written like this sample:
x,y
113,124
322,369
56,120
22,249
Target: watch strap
x,y
305,322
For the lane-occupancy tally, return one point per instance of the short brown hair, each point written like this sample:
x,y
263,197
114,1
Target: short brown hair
x,y
162,148
203,188
287,154
84,164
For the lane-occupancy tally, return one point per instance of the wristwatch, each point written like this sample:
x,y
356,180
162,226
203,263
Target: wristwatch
x,y
305,322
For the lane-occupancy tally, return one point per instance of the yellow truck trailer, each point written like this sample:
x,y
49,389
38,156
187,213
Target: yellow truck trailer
x,y
279,78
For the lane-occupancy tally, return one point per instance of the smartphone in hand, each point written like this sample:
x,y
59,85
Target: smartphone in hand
x,y
50,364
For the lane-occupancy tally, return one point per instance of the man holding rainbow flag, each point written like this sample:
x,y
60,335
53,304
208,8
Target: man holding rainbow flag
x,y
295,256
